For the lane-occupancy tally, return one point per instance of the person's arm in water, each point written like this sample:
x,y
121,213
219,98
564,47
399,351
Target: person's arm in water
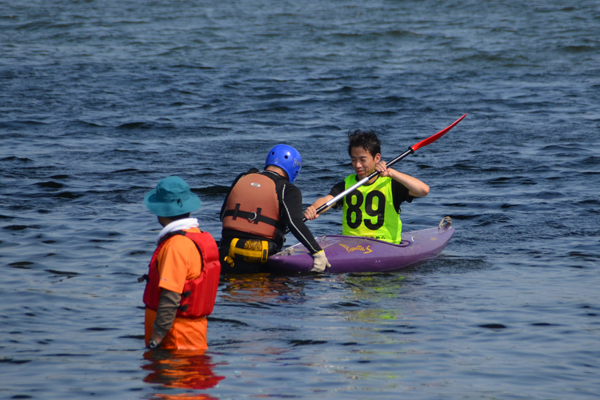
x,y
172,266
165,315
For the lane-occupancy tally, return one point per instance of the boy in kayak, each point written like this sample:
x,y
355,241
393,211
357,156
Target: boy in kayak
x,y
373,209
183,274
257,212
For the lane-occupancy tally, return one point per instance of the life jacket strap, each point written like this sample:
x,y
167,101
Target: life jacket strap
x,y
252,216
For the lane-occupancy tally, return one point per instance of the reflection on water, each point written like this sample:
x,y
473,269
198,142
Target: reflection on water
x,y
182,369
265,287
372,290
185,396
374,286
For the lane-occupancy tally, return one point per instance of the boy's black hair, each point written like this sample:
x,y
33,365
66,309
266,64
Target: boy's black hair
x,y
368,140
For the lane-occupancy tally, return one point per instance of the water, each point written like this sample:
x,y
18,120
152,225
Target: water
x,y
100,100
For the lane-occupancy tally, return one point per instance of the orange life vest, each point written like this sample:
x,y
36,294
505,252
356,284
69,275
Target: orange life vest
x,y
198,297
252,207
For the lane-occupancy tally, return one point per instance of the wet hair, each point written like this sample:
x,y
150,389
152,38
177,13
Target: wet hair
x,y
368,140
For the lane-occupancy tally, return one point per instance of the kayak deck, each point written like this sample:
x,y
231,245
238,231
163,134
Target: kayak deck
x,y
361,254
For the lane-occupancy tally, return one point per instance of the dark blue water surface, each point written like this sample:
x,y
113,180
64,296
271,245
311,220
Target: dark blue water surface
x,y
101,99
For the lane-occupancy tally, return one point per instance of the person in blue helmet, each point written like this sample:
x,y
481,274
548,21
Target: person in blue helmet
x,y
257,212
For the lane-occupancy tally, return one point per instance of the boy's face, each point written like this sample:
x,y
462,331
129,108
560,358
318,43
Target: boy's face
x,y
363,162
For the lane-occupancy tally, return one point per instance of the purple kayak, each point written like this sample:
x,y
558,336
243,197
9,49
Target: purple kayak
x,y
361,254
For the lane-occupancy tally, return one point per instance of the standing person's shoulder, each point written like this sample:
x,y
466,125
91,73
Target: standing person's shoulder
x,y
179,241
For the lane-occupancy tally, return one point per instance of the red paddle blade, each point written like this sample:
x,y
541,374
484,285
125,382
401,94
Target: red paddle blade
x,y
435,137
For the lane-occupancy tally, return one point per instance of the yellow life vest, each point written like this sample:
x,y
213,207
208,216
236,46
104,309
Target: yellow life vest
x,y
369,211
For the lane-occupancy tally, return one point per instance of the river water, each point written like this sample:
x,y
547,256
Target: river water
x,y
101,99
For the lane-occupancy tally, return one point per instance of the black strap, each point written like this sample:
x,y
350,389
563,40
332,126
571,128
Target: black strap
x,y
256,217
258,210
170,235
182,233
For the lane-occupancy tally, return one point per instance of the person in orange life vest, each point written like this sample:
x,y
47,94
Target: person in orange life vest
x,y
184,271
381,221
257,211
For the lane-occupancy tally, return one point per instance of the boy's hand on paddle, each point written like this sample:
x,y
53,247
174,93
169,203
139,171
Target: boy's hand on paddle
x,y
382,168
311,213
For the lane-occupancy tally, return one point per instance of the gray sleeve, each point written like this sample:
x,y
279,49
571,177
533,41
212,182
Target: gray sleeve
x,y
167,309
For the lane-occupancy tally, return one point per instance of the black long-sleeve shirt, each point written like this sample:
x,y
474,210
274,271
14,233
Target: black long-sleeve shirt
x,y
290,214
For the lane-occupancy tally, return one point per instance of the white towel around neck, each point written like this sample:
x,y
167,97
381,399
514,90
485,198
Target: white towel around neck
x,y
179,225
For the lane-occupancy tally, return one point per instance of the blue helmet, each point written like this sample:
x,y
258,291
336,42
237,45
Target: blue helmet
x,y
287,158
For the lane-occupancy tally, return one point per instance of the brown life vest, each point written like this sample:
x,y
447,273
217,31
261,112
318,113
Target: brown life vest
x,y
252,207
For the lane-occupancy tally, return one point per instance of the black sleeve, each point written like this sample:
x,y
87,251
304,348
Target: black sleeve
x,y
400,194
337,189
291,201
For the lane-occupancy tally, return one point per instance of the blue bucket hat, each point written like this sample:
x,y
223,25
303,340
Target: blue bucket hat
x,y
172,197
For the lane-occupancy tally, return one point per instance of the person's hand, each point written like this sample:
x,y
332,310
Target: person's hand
x,y
320,262
154,341
311,213
382,168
